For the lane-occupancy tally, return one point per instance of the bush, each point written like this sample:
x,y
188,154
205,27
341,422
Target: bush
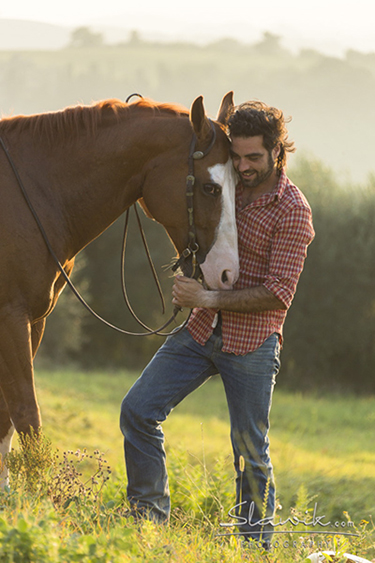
x,y
329,331
330,328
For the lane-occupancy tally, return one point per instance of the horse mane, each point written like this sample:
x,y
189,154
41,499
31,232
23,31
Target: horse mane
x,y
63,124
146,103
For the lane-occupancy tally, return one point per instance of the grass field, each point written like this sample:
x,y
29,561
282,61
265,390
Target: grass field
x,y
321,447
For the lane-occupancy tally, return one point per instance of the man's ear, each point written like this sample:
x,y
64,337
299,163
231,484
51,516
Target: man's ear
x,y
276,151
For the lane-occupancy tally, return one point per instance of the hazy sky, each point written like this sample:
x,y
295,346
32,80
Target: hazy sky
x,y
332,25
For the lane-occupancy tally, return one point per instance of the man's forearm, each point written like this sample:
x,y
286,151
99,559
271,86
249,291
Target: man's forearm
x,y
189,293
250,300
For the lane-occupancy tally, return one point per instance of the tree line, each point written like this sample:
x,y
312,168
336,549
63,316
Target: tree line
x,y
330,328
329,98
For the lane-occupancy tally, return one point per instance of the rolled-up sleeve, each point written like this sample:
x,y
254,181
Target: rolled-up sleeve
x,y
293,233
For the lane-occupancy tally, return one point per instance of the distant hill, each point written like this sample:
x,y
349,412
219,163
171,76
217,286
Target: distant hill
x,y
22,35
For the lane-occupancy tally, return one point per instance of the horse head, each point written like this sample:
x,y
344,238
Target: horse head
x,y
195,180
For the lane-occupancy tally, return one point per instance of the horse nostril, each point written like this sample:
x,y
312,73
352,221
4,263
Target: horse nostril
x,y
224,277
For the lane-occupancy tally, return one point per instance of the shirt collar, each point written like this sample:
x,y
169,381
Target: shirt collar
x,y
266,199
280,188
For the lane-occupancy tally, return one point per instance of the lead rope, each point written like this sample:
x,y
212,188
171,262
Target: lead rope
x,y
176,309
190,250
66,277
148,254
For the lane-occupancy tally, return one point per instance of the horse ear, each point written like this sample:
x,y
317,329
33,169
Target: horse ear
x,y
225,108
198,119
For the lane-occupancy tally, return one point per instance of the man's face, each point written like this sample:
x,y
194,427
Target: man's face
x,y
251,160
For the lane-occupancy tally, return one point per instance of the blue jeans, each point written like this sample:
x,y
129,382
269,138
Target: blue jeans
x,y
180,366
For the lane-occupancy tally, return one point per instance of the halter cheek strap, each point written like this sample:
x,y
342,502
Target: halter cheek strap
x,y
193,247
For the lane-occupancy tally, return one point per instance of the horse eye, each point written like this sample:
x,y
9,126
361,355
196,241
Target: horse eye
x,y
212,189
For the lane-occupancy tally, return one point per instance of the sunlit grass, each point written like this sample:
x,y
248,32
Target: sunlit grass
x,y
324,442
321,449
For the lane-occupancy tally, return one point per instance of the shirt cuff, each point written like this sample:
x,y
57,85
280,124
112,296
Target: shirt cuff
x,y
284,293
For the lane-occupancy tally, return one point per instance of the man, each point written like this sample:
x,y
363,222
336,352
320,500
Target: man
x,y
236,333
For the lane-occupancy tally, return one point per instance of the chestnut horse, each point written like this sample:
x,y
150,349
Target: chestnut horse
x,y
82,167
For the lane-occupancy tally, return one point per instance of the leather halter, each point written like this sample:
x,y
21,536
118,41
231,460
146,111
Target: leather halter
x,y
193,247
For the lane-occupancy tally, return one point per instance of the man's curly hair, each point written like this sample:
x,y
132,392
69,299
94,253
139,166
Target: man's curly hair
x,y
257,118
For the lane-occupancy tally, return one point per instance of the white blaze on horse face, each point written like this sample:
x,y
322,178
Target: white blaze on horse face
x,y
221,265
5,446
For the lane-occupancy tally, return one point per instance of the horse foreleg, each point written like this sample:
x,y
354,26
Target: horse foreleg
x,y
6,435
6,425
18,405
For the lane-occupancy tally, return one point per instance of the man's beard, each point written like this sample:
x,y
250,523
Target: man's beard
x,y
259,176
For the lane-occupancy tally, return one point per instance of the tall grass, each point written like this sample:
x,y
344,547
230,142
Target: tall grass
x,y
321,449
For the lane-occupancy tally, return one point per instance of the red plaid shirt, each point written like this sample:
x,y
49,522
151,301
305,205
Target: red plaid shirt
x,y
274,232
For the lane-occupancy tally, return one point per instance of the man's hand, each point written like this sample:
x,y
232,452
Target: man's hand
x,y
189,293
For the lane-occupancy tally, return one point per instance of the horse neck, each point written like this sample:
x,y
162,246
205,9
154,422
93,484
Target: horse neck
x,y
93,180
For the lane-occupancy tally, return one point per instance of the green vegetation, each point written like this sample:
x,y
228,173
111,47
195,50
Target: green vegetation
x,y
328,333
329,343
66,505
321,448
329,98
330,327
